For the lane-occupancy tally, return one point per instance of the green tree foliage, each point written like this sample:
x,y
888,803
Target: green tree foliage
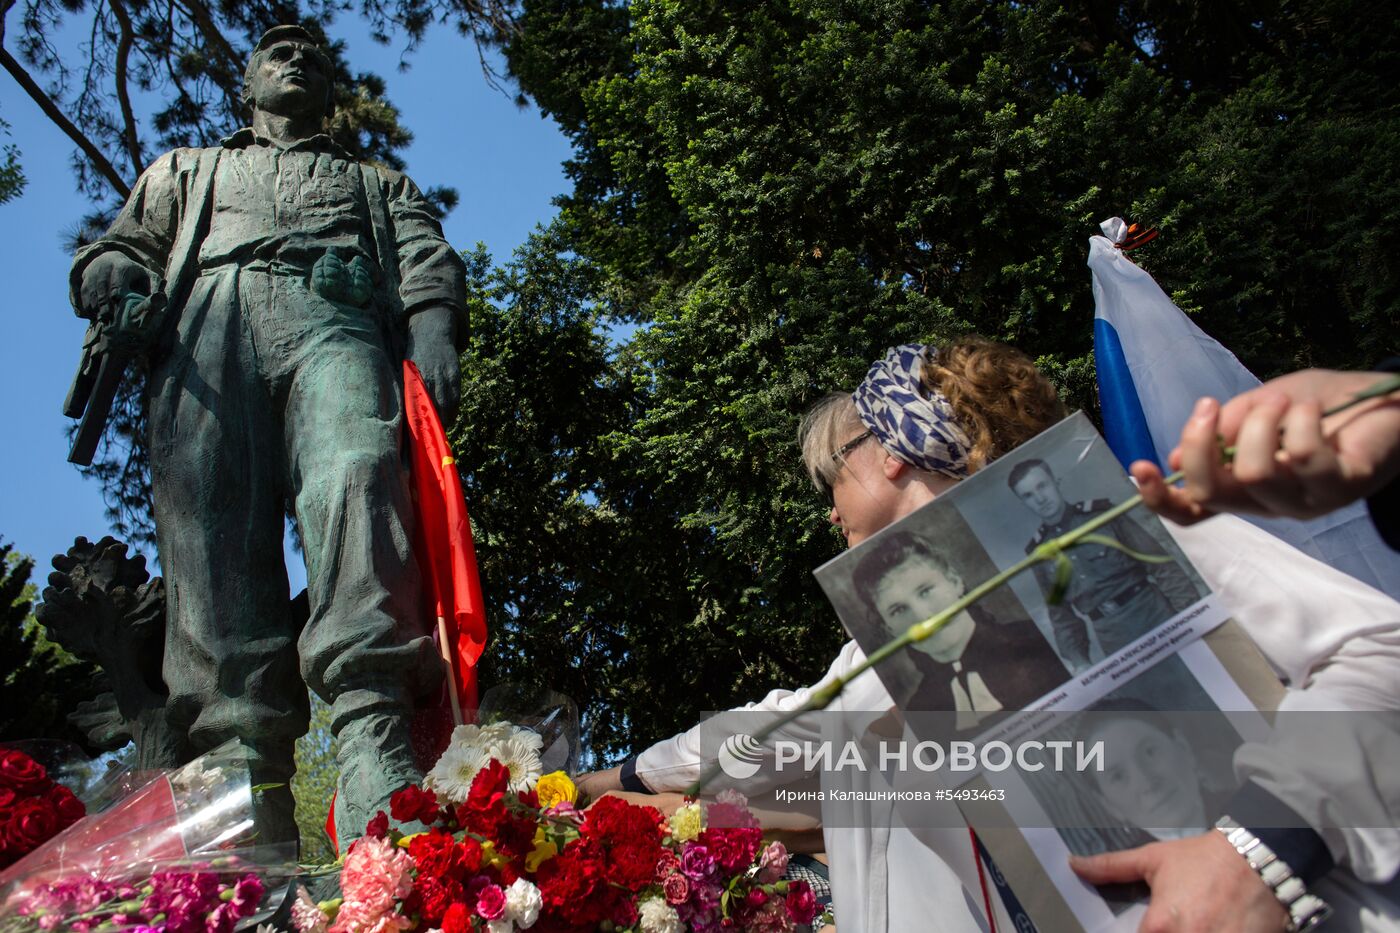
x,y
314,784
777,191
11,175
40,683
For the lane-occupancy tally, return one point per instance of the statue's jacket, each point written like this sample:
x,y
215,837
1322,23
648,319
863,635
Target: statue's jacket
x,y
253,205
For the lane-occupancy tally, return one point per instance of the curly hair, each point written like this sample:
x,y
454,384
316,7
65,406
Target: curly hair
x,y
1001,400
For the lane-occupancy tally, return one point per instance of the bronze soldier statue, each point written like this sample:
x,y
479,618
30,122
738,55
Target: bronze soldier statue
x,y
295,281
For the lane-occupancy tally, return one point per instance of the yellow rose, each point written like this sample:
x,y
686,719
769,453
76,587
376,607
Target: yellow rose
x,y
686,823
554,788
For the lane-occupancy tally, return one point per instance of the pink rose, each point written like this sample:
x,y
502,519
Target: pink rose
x,y
772,863
676,887
491,902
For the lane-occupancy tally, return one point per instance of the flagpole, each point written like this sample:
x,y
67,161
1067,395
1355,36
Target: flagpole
x,y
445,649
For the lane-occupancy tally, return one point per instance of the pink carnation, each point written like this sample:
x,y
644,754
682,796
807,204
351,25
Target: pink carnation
x,y
730,810
676,887
306,916
491,902
375,878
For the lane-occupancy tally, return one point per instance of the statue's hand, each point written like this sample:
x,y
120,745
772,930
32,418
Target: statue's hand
x,y
107,281
433,348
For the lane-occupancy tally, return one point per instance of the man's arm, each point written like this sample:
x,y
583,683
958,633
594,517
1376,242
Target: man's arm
x,y
1175,585
432,289
133,253
1071,632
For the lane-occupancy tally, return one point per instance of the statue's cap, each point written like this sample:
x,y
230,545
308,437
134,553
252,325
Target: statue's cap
x,y
282,33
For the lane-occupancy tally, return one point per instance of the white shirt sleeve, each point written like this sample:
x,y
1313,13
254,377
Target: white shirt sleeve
x,y
675,764
1335,642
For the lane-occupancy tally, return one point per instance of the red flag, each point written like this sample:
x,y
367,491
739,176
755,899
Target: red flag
x,y
445,551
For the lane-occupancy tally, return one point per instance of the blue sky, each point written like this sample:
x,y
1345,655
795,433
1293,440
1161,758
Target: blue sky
x,y
504,161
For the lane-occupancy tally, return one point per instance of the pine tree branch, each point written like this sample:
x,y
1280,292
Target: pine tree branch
x,y
214,38
129,135
46,104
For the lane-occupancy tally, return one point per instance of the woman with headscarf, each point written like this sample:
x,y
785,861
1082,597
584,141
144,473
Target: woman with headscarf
x,y
926,418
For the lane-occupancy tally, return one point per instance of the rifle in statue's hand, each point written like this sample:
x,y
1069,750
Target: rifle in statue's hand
x,y
108,349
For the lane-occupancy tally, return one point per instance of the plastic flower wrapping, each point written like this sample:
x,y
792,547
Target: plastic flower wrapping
x,y
176,854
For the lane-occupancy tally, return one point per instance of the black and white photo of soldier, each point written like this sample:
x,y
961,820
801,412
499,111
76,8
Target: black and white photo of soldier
x,y
1111,593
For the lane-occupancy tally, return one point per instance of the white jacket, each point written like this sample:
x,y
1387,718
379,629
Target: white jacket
x,y
1334,642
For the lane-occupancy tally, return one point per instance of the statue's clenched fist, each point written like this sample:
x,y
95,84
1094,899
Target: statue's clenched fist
x,y
107,281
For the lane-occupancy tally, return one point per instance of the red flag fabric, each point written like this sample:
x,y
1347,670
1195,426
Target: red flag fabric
x,y
446,554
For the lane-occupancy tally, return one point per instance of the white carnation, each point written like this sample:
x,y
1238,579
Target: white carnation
x,y
523,903
657,916
502,925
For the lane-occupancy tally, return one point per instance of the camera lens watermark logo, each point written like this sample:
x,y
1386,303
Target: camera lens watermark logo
x,y
739,756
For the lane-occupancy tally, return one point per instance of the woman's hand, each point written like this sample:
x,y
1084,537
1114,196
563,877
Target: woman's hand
x,y
1289,460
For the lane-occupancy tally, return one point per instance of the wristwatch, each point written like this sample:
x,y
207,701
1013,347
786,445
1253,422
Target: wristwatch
x,y
1305,910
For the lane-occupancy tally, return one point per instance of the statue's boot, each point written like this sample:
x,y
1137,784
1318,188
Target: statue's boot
x,y
375,758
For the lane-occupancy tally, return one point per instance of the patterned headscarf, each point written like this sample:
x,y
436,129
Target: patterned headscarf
x,y
912,423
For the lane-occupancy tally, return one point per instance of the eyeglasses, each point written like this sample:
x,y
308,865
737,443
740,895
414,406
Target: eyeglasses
x,y
850,445
839,458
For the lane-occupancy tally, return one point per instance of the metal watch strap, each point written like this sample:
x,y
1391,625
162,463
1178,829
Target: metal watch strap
x,y
1305,910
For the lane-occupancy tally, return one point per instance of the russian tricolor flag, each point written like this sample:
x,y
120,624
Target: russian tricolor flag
x,y
1153,364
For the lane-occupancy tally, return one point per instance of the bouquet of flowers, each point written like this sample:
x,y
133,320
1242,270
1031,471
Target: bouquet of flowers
x,y
198,897
33,807
177,855
506,848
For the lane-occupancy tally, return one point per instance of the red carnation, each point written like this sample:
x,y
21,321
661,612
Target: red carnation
x,y
485,806
21,773
469,854
612,819
801,903
379,826
414,803
734,848
437,855
634,864
435,896
457,919
574,885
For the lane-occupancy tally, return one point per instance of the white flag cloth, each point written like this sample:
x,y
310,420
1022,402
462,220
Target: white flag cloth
x,y
1154,360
